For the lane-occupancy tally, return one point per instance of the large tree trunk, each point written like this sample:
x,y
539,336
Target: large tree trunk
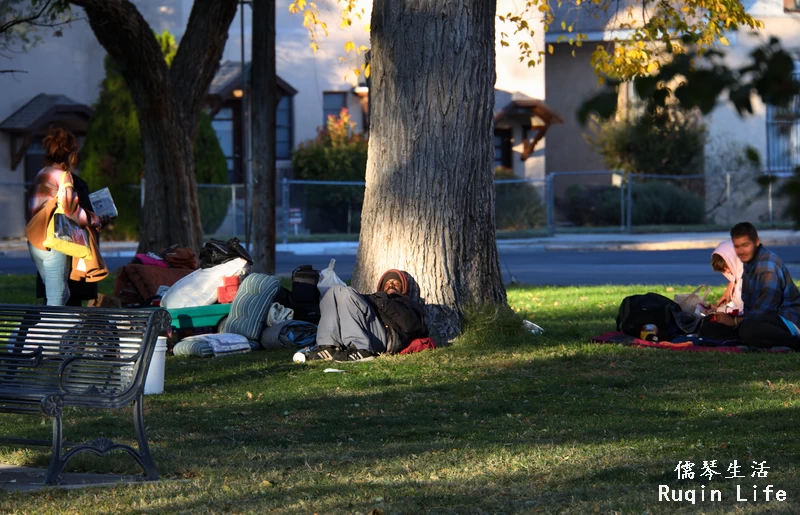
x,y
264,102
168,101
429,202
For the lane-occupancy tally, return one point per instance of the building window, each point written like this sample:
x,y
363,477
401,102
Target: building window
x,y
791,6
34,159
283,128
783,135
223,126
502,148
332,104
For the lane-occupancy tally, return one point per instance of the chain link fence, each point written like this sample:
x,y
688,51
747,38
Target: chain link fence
x,y
562,202
625,202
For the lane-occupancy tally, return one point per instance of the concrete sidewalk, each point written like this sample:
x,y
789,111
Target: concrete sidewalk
x,y
575,242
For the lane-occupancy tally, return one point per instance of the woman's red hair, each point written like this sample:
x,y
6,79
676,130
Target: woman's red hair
x,y
61,149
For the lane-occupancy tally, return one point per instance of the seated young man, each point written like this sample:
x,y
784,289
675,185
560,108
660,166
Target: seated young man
x,y
771,299
356,327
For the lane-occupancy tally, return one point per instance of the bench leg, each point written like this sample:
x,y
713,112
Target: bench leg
x,y
56,462
101,447
145,458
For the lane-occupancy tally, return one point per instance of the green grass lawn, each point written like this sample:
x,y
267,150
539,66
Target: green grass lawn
x,y
501,421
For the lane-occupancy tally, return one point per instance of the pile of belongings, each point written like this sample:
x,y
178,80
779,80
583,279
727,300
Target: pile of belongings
x,y
263,314
145,281
259,317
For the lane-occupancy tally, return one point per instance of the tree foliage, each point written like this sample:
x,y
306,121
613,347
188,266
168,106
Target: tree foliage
x,y
338,153
647,29
698,80
669,145
113,156
22,20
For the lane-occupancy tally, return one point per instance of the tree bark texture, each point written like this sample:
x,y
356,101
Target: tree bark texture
x,y
264,101
168,101
429,201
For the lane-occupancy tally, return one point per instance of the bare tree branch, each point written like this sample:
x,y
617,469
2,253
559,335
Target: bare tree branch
x,y
30,19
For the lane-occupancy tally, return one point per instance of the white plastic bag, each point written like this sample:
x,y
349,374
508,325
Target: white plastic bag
x,y
328,278
689,302
200,287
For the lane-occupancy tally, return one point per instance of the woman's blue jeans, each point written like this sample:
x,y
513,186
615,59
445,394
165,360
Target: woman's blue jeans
x,y
53,266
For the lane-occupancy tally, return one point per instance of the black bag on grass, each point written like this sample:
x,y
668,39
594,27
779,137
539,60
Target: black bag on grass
x,y
305,294
649,308
216,252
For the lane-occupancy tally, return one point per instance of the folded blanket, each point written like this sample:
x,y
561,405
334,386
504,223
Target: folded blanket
x,y
207,345
278,313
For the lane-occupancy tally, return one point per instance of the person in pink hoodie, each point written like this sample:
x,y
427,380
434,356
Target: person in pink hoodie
x,y
725,261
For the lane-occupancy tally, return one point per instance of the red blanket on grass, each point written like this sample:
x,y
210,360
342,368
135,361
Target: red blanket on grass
x,y
624,339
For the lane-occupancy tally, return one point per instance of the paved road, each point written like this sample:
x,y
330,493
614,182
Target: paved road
x,y
537,267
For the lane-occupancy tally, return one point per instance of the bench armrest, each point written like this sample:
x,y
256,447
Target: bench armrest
x,y
113,362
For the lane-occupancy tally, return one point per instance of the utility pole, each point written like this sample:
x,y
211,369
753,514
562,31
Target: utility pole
x,y
264,102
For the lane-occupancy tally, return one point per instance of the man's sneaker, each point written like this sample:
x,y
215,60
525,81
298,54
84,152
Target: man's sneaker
x,y
357,355
326,353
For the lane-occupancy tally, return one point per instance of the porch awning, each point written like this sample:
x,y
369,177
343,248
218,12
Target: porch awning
x,y
32,119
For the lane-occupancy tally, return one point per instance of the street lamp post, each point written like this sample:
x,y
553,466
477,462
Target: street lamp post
x,y
245,129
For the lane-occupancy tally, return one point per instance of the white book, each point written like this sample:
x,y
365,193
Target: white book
x,y
103,203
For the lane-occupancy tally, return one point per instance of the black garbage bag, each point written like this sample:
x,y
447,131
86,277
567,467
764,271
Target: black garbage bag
x,y
215,252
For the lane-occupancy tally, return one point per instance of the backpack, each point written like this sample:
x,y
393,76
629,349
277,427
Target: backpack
x,y
636,311
305,296
292,334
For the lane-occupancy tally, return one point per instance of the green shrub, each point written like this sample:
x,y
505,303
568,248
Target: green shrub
x,y
666,145
654,203
336,154
113,156
518,206
211,167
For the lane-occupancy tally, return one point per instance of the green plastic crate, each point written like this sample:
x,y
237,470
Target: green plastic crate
x,y
199,316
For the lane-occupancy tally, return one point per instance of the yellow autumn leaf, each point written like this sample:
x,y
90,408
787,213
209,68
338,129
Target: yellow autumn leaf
x,y
550,49
349,46
652,67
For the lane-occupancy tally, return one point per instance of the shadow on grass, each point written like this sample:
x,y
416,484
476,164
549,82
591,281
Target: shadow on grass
x,y
500,421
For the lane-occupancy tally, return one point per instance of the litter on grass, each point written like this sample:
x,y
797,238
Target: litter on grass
x,y
533,328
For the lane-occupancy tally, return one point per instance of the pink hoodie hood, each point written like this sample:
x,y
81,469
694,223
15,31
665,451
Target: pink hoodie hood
x,y
736,267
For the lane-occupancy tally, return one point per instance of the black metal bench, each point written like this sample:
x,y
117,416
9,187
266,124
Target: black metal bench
x,y
57,357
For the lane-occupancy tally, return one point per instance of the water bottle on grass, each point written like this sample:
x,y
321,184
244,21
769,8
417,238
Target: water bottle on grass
x,y
533,328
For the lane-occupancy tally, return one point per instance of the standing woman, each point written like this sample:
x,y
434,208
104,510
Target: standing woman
x,y
61,155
